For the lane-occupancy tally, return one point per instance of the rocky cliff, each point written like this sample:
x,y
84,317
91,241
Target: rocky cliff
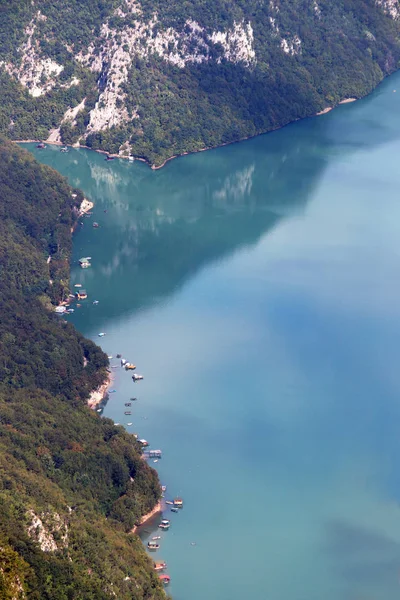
x,y
155,78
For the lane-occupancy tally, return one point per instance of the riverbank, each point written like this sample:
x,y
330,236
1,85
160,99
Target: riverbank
x,y
167,160
98,395
156,510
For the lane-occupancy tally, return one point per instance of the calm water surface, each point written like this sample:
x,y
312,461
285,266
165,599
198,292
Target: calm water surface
x,y
257,288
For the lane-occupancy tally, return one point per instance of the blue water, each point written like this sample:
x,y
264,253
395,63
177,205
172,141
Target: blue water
x,y
257,289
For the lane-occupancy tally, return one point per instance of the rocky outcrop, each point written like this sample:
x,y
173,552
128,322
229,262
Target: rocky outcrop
x,y
391,7
44,529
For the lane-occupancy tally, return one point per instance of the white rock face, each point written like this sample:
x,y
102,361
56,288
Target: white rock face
x,y
39,74
391,7
291,46
237,43
117,50
43,534
71,114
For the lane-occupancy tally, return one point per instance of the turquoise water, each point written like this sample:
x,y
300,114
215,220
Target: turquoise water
x,y
257,288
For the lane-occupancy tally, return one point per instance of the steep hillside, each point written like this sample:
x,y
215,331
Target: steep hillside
x,y
157,78
71,484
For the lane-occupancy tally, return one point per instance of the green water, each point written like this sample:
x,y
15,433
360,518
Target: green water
x,y
257,288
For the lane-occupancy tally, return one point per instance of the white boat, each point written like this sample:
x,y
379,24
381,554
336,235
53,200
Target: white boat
x,y
102,334
60,309
78,285
129,424
137,377
165,524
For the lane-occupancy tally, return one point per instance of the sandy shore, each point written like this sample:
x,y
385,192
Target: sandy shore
x,y
347,100
156,167
98,395
157,509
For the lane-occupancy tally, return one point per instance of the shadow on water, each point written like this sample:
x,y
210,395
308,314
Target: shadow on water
x,y
157,229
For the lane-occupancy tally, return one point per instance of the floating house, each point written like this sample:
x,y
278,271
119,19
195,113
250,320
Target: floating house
x,y
81,294
154,454
165,579
160,566
60,310
178,502
153,545
85,262
165,524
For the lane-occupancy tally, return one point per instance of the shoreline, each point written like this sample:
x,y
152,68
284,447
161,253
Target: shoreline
x,y
154,167
99,394
156,510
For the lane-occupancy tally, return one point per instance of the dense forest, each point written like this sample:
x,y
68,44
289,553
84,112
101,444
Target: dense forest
x,y
156,78
72,484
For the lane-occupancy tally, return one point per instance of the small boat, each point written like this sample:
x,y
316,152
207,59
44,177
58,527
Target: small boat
x,y
137,378
99,409
109,357
131,158
71,310
144,443
156,537
64,149
95,225
128,412
178,502
112,391
165,579
160,566
41,145
128,403
163,488
123,362
169,502
130,367
118,355
174,509
153,545
109,157
129,424
165,524
102,334
132,399
155,461
78,285
95,301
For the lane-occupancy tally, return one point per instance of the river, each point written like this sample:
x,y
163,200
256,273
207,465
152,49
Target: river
x,y
257,289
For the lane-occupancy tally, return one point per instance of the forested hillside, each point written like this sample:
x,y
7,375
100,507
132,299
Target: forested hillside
x,y
156,78
71,483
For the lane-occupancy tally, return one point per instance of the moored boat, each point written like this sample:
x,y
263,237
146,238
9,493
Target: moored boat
x,y
153,545
128,412
178,502
160,566
164,578
137,377
165,524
